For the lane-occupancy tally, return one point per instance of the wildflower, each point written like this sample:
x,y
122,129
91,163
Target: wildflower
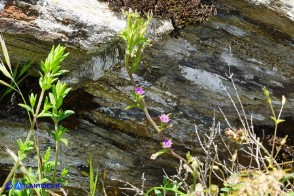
x,y
139,91
167,143
164,118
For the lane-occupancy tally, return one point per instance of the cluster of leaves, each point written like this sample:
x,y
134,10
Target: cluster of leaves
x,y
93,178
134,35
47,103
181,12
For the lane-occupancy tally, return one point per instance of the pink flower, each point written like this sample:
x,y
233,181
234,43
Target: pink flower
x,y
164,118
167,143
139,91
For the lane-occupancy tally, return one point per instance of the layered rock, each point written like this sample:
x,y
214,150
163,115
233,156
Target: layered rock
x,y
180,76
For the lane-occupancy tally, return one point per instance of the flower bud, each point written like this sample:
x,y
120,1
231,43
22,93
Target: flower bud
x,y
283,142
283,100
265,92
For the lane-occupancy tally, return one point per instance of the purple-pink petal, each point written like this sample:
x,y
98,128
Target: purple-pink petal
x,y
139,91
164,118
167,143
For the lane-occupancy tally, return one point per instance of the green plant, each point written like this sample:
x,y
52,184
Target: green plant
x,y
18,76
167,186
40,106
59,91
277,119
135,37
92,177
238,179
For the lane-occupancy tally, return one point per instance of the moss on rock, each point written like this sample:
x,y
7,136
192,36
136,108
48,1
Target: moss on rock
x,y
181,12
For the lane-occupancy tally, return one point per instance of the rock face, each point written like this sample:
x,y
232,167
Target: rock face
x,y
180,76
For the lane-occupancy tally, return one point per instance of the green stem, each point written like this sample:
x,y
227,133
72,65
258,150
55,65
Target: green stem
x,y
276,127
274,139
56,149
166,189
56,160
194,175
9,175
39,105
277,152
39,157
17,162
127,64
161,134
272,109
32,128
12,172
145,110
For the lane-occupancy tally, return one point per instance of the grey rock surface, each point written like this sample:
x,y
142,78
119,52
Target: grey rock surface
x,y
180,76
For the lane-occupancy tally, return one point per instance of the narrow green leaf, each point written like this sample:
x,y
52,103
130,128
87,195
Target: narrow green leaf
x,y
157,154
47,154
157,192
53,135
131,107
64,172
65,114
52,99
6,84
20,144
226,189
21,155
66,91
171,186
65,141
45,114
14,73
280,121
5,71
274,119
29,145
45,83
25,68
8,90
5,52
28,108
